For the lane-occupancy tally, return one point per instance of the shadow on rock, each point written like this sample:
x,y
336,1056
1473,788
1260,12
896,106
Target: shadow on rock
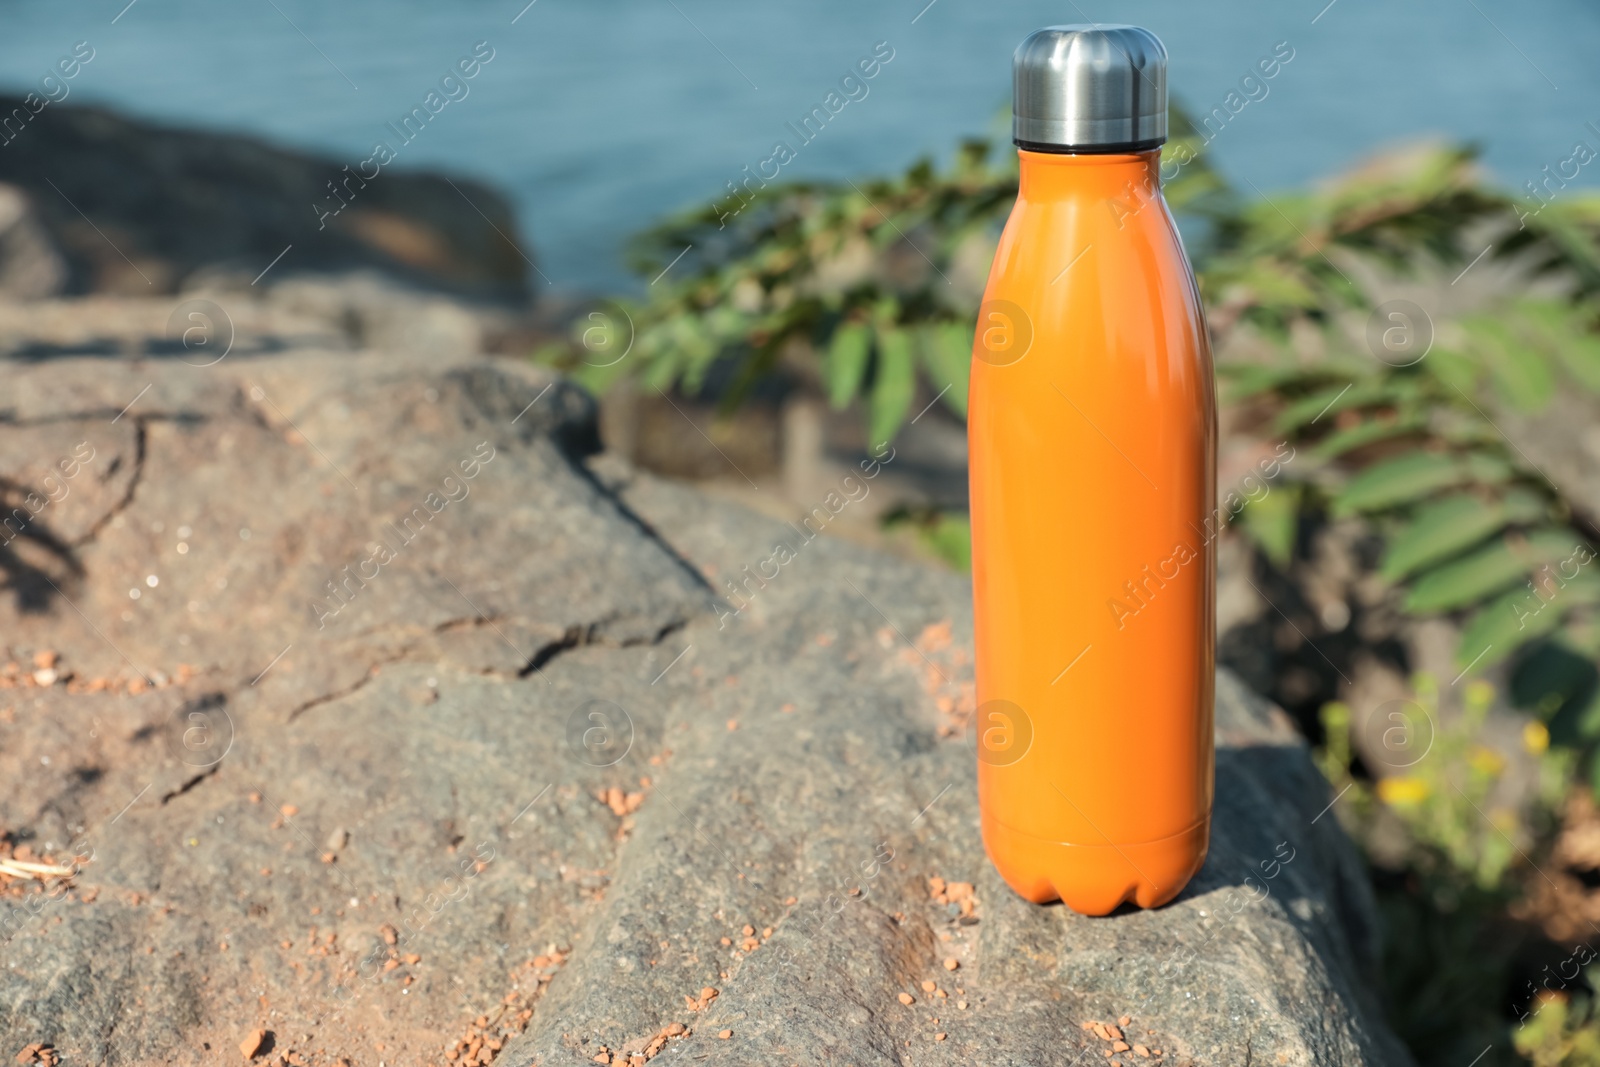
x,y
30,550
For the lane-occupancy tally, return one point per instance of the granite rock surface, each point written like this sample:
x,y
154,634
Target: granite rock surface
x,y
383,721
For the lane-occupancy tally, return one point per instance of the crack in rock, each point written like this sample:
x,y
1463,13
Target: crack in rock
x,y
191,783
586,634
339,694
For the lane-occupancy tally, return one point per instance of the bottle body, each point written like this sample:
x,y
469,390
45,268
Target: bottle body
x,y
1092,457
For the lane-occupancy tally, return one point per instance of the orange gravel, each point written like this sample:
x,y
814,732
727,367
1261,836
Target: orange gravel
x,y
619,802
650,1050
958,893
1115,1037
252,1043
707,995
488,1034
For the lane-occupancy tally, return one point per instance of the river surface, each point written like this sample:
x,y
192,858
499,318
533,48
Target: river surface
x,y
599,116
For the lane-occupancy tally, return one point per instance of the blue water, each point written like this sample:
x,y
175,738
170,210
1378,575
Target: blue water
x,y
598,116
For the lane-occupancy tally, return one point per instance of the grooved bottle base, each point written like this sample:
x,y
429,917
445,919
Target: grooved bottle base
x,y
1096,879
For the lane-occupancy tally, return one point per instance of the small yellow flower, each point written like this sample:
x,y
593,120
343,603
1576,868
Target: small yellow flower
x,y
1486,761
1403,791
1536,738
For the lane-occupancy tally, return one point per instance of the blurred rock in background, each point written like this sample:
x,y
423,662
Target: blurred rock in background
x,y
30,265
102,203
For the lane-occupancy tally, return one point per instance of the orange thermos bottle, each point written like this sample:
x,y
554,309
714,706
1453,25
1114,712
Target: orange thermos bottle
x,y
1092,442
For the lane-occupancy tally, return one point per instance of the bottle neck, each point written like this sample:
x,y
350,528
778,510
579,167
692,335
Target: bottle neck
x,y
1054,175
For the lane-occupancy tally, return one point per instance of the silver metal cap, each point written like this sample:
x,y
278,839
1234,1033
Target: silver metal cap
x,y
1089,89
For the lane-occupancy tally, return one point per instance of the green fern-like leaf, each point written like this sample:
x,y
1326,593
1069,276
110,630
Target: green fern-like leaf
x,y
1368,432
895,384
1403,480
1520,616
847,362
1487,571
1444,527
1520,371
946,350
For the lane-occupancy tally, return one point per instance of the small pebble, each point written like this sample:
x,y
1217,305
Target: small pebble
x,y
252,1043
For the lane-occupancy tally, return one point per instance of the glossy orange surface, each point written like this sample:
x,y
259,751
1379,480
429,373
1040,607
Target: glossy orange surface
x,y
1092,434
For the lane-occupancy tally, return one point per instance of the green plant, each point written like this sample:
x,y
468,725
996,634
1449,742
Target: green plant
x,y
846,285
1563,1030
855,289
1470,527
1404,441
1448,946
1444,796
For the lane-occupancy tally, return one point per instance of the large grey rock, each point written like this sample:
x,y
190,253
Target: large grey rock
x,y
537,753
